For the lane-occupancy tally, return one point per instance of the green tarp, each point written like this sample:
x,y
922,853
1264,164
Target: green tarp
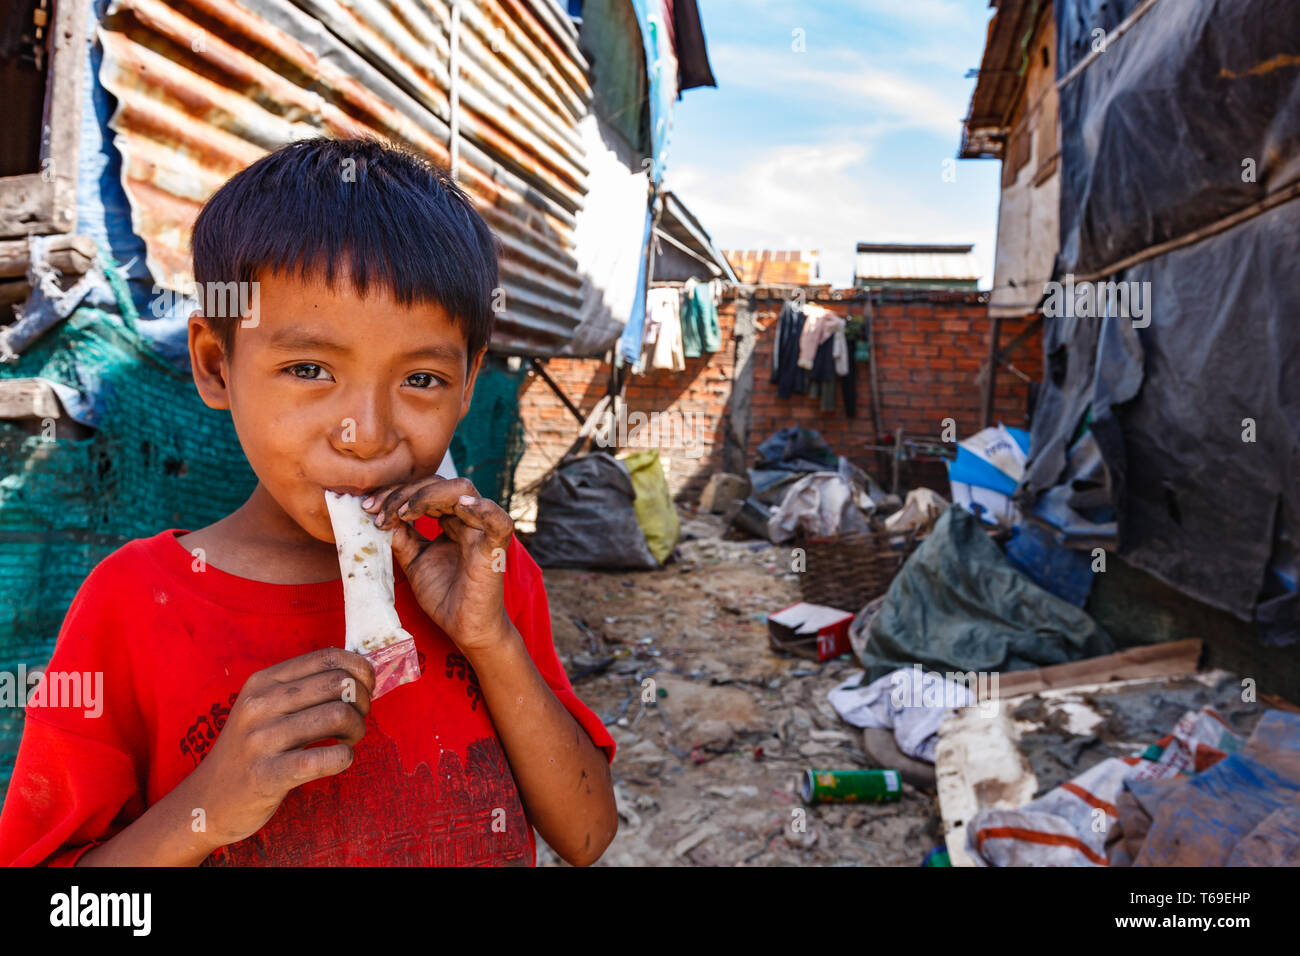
x,y
959,605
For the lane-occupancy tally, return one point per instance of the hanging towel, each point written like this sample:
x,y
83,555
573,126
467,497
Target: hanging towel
x,y
699,317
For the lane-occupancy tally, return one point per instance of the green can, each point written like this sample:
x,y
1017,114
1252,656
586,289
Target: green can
x,y
850,786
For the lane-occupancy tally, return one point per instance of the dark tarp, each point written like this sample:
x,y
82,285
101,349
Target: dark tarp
x,y
1154,132
959,605
1076,21
688,42
1144,432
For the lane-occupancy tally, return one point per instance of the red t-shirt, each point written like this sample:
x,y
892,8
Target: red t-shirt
x,y
429,784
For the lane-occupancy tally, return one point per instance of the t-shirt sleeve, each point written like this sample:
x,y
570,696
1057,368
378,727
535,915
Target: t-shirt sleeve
x,y
528,608
77,778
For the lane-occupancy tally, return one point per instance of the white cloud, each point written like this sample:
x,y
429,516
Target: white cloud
x,y
839,77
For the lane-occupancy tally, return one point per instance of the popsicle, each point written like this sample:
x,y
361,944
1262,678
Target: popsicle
x,y
371,625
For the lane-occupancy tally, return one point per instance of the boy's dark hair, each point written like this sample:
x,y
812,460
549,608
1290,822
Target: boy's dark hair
x,y
395,218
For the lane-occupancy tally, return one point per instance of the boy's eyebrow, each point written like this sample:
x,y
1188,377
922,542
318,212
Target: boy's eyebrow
x,y
294,338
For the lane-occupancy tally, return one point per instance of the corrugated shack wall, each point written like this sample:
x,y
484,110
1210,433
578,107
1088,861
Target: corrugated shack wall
x,y
205,87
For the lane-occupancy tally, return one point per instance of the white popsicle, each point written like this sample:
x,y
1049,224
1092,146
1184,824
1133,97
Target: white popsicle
x,y
371,625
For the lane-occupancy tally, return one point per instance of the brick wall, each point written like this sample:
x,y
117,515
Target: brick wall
x,y
775,266
929,350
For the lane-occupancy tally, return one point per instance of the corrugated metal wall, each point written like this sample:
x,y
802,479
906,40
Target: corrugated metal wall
x,y
205,87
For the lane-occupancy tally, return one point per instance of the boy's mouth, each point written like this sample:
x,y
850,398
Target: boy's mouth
x,y
349,490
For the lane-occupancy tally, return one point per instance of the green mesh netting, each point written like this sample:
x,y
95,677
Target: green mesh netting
x,y
489,441
159,459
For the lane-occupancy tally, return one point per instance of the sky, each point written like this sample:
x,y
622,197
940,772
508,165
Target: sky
x,y
841,143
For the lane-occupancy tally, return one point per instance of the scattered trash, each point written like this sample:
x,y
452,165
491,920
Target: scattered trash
x,y
937,857
908,701
722,489
986,471
919,513
850,786
810,630
1067,826
1243,810
750,516
820,504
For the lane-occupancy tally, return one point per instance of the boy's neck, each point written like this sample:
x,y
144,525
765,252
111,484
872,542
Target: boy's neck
x,y
259,541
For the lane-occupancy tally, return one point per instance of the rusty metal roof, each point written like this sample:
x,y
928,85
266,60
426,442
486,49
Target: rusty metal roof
x,y
206,87
1000,76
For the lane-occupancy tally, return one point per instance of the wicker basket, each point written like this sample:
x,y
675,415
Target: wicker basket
x,y
846,571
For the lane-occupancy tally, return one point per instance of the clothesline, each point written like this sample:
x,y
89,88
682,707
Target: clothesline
x,y
812,351
681,322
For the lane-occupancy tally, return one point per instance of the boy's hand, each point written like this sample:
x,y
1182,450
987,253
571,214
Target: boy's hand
x,y
459,576
259,755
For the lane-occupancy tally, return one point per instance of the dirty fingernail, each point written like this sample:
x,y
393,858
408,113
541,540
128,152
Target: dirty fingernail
x,y
368,502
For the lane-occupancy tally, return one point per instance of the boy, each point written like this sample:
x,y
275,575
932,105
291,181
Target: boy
x,y
235,729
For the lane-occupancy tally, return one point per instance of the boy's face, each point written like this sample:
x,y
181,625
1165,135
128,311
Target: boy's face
x,y
328,390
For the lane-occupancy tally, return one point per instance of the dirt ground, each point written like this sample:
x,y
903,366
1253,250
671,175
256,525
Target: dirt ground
x,y
707,775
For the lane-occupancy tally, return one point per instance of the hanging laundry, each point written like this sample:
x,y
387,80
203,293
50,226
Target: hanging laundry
x,y
787,376
663,334
820,324
699,317
823,374
847,370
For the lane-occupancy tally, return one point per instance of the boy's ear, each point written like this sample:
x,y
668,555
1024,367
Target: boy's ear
x,y
470,379
208,362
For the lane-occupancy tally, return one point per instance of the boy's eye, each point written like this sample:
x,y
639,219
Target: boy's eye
x,y
294,371
423,379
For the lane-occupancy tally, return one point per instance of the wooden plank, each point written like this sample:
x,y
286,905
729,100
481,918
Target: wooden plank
x,y
71,255
1169,659
978,766
28,398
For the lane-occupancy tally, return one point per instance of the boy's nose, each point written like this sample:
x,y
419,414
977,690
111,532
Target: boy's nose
x,y
364,433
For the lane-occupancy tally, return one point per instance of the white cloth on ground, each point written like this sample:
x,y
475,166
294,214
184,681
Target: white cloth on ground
x,y
908,701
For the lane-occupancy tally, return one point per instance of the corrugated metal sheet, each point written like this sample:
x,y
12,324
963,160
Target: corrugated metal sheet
x,y
205,87
917,265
